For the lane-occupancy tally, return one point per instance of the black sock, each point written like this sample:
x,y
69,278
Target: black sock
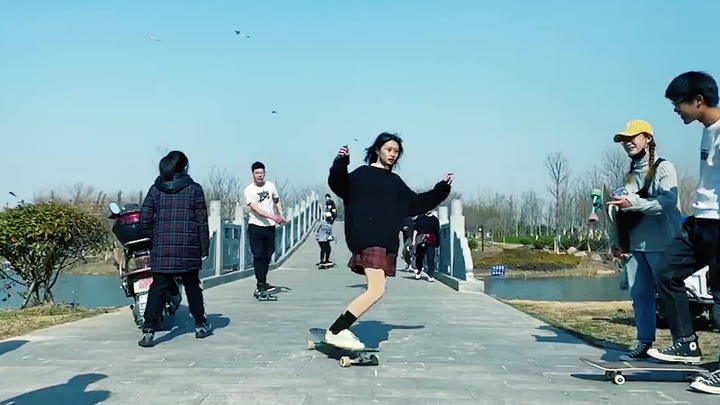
x,y
343,322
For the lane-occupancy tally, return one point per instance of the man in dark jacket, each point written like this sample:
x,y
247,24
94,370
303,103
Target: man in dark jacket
x,y
408,227
174,213
330,207
426,238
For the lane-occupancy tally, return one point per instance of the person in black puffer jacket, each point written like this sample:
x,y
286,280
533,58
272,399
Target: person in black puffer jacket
x,y
174,215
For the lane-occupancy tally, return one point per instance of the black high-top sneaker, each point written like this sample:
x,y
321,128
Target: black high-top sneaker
x,y
147,339
639,353
707,385
204,330
679,352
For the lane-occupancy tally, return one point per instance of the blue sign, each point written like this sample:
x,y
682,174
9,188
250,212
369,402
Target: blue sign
x,y
497,270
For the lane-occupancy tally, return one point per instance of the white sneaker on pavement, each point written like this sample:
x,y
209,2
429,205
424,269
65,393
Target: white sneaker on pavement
x,y
344,339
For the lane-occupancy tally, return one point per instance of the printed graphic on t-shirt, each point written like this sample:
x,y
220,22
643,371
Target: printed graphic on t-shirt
x,y
262,196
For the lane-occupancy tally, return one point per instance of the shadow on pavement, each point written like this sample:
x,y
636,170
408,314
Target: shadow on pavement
x,y
612,350
10,345
73,392
372,333
185,324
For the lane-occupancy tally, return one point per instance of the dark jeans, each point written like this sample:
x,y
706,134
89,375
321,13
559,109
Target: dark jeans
x,y
262,246
422,252
692,249
407,251
325,251
162,284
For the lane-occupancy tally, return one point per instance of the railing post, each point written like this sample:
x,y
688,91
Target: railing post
x,y
240,220
457,230
445,236
215,224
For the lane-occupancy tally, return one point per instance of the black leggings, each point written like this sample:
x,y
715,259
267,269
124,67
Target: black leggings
x,y
325,250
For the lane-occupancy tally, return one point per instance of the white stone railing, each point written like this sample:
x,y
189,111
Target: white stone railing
x,y
455,262
230,256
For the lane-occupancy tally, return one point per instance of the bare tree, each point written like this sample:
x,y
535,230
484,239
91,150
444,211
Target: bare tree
x,y
559,170
224,187
687,185
615,164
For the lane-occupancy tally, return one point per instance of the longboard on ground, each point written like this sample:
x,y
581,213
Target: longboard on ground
x,y
614,369
364,357
265,296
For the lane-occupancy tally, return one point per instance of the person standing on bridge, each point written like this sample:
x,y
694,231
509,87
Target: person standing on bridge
x,y
262,198
647,220
174,214
376,202
426,238
323,234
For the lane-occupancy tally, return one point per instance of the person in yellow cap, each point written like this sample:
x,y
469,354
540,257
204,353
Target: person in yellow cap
x,y
646,220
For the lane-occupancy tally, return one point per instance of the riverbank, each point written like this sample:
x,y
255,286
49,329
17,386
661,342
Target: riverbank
x,y
17,322
604,324
97,268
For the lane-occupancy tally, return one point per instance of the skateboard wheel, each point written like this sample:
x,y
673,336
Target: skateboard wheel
x,y
619,379
345,361
609,375
311,345
374,360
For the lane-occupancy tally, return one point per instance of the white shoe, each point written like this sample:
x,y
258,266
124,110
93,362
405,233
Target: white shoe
x,y
431,279
417,275
344,339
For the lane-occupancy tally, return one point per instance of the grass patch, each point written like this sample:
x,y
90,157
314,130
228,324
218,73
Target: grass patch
x,y
93,268
17,322
604,324
528,260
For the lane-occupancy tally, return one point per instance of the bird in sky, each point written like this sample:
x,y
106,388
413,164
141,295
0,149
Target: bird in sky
x,y
12,194
274,112
241,35
154,39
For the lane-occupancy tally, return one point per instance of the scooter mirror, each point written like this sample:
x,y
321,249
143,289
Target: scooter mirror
x,y
115,208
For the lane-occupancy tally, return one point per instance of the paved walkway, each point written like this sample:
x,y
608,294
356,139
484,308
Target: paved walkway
x,y
437,347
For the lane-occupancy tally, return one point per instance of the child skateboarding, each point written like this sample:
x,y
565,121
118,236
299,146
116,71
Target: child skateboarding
x,y
376,201
323,235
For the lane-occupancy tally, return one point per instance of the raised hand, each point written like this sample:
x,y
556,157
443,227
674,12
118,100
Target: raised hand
x,y
448,178
344,151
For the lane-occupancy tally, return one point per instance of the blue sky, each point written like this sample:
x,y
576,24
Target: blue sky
x,y
482,89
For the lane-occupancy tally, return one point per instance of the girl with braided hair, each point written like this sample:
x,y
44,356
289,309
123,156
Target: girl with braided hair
x,y
647,219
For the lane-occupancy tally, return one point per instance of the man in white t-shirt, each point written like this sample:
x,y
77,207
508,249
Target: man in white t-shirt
x,y
263,200
695,97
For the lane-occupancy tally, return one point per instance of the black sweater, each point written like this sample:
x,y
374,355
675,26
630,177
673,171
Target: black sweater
x,y
376,201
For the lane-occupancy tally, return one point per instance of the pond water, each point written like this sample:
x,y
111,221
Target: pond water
x,y
606,288
89,291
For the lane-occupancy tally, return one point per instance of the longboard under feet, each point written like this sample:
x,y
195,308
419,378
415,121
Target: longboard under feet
x,y
614,369
265,296
364,357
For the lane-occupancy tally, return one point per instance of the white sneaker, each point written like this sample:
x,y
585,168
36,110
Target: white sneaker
x,y
417,275
431,279
344,339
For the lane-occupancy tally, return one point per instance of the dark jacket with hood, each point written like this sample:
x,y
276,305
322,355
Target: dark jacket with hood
x,y
174,215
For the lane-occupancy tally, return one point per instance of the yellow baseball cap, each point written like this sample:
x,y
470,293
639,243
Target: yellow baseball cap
x,y
632,129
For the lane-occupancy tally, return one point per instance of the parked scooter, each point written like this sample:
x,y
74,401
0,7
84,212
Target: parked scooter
x,y
134,264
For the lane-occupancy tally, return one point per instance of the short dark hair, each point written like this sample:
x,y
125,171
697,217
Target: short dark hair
x,y
328,195
371,153
689,85
258,165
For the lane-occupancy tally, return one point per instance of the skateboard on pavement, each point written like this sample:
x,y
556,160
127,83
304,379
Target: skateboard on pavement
x,y
325,265
265,295
614,369
364,357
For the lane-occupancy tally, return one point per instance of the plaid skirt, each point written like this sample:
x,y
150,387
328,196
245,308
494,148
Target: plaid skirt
x,y
373,258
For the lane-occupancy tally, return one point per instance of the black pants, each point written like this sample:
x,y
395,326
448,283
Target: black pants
x,y
407,251
425,251
692,249
325,251
162,285
262,246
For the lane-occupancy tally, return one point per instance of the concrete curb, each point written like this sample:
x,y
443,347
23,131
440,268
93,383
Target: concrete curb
x,y
475,286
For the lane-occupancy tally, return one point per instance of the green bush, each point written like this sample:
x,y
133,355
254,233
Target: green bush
x,y
527,260
473,244
41,240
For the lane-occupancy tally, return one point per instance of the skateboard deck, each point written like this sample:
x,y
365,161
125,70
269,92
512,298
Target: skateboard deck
x,y
614,369
265,296
364,357
326,266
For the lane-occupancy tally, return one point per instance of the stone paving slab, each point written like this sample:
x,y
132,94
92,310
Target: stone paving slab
x,y
438,347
